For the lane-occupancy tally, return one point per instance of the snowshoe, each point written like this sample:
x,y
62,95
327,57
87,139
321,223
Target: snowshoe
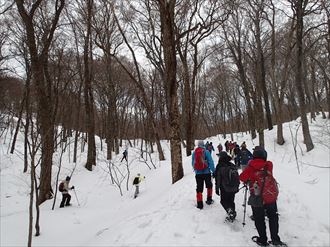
x,y
278,243
256,239
231,215
229,219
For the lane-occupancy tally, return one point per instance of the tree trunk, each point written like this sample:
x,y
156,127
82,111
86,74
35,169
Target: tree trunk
x,y
88,93
262,72
32,177
298,80
187,109
168,37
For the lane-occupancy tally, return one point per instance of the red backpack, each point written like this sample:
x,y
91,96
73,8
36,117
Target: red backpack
x,y
200,162
268,185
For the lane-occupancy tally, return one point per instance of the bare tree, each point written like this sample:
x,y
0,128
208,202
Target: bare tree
x,y
257,7
40,78
299,8
139,82
236,38
108,39
167,11
192,29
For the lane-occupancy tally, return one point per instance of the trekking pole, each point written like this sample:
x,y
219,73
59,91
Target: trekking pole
x,y
244,205
244,186
76,196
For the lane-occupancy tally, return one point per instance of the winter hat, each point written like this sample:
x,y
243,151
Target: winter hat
x,y
259,153
223,156
67,178
200,143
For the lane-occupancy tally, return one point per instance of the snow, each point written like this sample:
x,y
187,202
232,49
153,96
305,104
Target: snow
x,y
164,214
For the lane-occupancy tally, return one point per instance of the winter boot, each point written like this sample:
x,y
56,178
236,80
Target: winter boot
x,y
209,200
199,197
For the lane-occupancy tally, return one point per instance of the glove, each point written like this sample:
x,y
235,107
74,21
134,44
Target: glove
x,y
217,192
72,187
213,175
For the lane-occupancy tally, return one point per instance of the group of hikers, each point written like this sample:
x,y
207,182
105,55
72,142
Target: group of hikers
x,y
256,176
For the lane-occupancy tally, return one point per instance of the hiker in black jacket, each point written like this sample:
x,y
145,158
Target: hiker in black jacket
x,y
228,189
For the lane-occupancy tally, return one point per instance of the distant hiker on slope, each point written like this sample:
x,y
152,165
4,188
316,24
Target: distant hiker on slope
x,y
210,147
227,180
236,153
137,180
124,155
203,166
220,148
227,146
64,188
263,196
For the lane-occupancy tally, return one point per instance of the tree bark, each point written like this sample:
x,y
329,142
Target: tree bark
x,y
166,9
88,92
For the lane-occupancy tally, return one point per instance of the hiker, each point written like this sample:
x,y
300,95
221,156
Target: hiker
x,y
244,156
124,156
227,180
64,188
227,146
220,148
254,172
236,153
231,147
207,145
203,166
210,147
137,180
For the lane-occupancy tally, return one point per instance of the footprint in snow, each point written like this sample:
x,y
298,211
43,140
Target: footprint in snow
x,y
145,224
101,231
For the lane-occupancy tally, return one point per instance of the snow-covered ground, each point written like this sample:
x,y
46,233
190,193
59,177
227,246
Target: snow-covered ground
x,y
165,214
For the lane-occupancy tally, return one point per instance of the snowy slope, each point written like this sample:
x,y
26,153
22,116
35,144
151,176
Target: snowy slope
x,y
165,214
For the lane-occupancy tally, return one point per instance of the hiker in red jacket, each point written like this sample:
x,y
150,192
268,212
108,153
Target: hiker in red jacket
x,y
251,175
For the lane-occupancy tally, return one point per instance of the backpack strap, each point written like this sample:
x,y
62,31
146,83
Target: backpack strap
x,y
265,174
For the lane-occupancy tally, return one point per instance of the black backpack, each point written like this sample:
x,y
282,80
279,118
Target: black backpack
x,y
244,155
136,180
61,187
230,179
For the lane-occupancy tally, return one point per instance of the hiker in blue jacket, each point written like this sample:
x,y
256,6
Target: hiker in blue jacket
x,y
202,175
